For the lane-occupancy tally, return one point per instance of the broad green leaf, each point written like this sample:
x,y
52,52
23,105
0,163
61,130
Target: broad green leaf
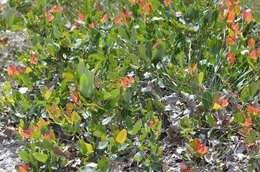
x,y
75,117
86,87
121,137
200,77
68,76
40,156
136,128
85,148
24,155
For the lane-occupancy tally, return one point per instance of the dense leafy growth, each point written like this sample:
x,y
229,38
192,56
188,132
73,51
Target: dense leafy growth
x,y
88,93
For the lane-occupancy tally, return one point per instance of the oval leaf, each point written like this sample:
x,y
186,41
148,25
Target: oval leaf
x,y
121,137
40,156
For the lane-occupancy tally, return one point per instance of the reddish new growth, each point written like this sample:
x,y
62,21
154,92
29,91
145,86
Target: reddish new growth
x,y
222,101
75,95
127,81
167,2
104,18
254,54
33,59
156,43
251,43
81,17
56,8
247,15
49,17
23,168
231,40
230,57
118,20
252,110
247,123
13,70
199,148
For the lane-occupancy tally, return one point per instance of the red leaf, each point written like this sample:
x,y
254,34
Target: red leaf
x,y
104,18
49,17
247,15
4,41
81,17
230,57
247,122
127,81
118,20
56,8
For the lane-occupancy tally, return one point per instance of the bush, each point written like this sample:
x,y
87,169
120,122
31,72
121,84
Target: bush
x,y
82,90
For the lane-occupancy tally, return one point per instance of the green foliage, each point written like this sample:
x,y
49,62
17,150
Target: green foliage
x,y
88,76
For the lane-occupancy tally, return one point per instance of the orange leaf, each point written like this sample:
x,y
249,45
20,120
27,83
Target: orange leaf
x,y
156,43
127,81
254,54
193,68
33,59
229,2
247,122
251,43
199,147
56,8
92,25
231,16
23,168
222,101
167,2
252,110
75,95
231,40
151,123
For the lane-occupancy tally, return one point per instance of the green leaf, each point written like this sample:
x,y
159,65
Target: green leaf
x,y
86,87
24,155
88,169
85,148
40,156
136,128
200,77
207,100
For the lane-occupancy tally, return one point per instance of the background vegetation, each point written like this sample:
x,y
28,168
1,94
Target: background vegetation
x,y
91,91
